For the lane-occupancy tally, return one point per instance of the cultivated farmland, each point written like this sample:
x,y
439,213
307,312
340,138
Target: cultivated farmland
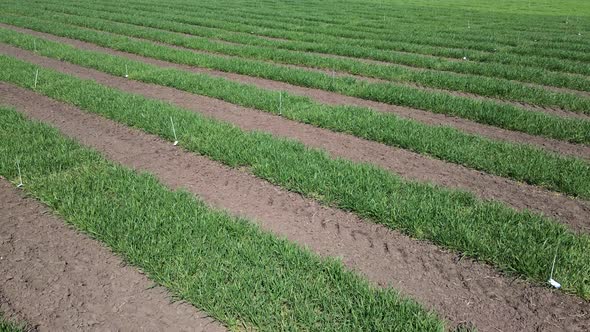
x,y
306,165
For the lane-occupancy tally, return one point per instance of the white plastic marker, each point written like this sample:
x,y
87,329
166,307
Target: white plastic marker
x,y
35,45
174,132
552,281
36,77
280,102
126,72
20,178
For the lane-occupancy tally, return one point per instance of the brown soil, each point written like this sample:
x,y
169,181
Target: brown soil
x,y
573,212
561,147
460,290
60,280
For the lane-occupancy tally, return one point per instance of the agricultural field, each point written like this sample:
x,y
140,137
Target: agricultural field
x,y
362,165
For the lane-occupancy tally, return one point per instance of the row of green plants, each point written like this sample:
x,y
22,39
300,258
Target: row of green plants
x,y
9,325
421,36
565,174
488,28
336,33
519,243
239,274
517,66
482,111
187,24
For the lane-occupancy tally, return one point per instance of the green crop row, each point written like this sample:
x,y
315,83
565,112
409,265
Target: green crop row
x,y
522,243
488,64
239,274
7,325
541,168
487,112
280,51
419,35
491,29
387,41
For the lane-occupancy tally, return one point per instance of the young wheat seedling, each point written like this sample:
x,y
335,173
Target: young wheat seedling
x,y
174,132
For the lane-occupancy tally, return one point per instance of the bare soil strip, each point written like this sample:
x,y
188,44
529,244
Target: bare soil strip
x,y
573,212
577,150
460,290
60,280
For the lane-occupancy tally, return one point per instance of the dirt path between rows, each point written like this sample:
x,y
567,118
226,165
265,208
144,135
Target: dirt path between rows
x,y
573,212
460,290
60,280
321,96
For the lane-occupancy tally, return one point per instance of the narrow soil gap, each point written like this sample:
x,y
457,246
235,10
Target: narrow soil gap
x,y
460,290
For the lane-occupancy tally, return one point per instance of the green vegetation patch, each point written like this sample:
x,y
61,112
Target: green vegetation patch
x,y
226,266
522,243
564,174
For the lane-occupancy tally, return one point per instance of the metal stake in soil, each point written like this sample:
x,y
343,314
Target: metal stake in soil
x,y
280,103
174,132
552,281
36,77
20,178
333,76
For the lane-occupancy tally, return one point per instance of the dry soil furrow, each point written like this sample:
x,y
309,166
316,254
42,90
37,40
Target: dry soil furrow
x,y
459,289
60,280
573,212
577,150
